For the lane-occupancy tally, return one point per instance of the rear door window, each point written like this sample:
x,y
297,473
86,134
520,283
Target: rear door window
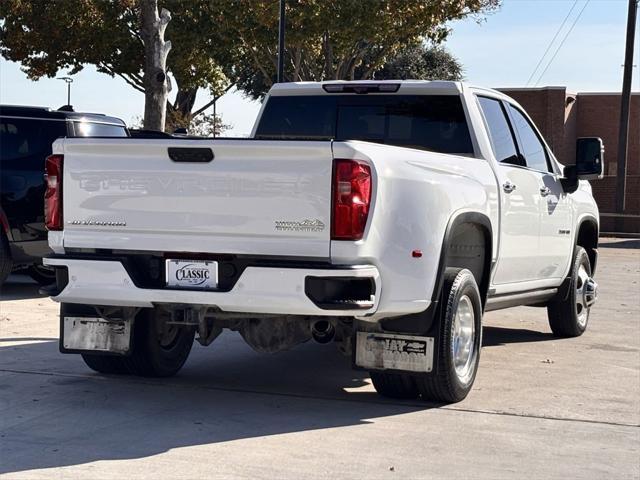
x,y
23,138
500,134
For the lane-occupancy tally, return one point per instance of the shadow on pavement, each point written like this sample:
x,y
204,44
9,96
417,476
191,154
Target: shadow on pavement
x,y
56,412
19,287
619,243
496,336
66,415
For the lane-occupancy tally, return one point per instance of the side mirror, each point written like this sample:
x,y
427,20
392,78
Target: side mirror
x,y
589,163
589,158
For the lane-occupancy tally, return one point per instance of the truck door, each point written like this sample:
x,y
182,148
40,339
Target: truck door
x,y
519,200
555,244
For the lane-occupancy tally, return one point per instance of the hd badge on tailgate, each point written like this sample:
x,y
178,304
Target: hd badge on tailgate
x,y
395,352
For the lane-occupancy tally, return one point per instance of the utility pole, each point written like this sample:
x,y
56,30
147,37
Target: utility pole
x,y
621,180
215,100
281,43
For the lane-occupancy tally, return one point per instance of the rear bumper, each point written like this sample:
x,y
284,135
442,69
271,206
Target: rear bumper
x,y
259,290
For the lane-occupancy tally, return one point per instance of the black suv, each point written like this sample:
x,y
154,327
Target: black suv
x,y
26,135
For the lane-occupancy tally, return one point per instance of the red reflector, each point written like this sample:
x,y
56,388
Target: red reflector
x,y
351,199
416,254
53,193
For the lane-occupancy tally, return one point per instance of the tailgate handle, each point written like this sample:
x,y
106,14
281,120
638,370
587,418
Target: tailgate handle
x,y
190,155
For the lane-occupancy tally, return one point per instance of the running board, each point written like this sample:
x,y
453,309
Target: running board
x,y
532,297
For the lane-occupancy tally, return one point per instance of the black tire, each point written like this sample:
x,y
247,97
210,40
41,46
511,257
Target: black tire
x,y
394,385
568,317
107,364
42,274
6,262
156,355
448,384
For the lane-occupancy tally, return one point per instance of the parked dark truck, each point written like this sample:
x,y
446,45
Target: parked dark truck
x,y
26,135
386,216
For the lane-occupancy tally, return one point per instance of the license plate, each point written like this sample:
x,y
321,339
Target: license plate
x,y
381,351
96,335
198,274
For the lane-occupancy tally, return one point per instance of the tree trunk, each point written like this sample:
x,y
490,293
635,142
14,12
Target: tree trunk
x,y
179,114
185,100
156,82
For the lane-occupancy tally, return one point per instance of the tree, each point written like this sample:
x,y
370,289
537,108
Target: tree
x,y
421,62
156,84
206,125
47,36
222,43
334,39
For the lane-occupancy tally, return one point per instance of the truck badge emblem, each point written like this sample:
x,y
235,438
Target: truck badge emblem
x,y
99,223
303,226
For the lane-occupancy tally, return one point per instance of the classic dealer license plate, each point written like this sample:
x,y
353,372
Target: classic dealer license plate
x,y
199,274
395,352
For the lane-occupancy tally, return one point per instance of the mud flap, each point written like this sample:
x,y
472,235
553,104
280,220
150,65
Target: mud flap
x,y
95,335
382,351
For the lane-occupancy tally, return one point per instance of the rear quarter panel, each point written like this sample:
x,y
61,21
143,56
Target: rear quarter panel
x,y
416,194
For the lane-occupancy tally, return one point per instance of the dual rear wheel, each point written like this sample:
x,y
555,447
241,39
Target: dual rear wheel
x,y
457,349
159,348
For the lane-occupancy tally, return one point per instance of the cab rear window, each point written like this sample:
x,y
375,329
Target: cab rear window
x,y
93,129
429,122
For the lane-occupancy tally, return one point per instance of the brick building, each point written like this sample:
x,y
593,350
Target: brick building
x,y
563,117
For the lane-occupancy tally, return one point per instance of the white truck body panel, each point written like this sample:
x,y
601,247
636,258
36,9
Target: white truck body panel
x,y
231,206
131,196
261,290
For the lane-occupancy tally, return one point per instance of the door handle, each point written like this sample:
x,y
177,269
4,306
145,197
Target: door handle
x,y
544,191
508,187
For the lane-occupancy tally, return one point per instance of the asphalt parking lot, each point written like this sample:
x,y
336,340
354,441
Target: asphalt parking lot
x,y
541,407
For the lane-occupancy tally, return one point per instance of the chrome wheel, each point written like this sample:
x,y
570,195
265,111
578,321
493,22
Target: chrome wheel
x,y
464,327
586,295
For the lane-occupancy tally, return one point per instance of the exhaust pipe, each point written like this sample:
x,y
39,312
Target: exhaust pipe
x,y
323,331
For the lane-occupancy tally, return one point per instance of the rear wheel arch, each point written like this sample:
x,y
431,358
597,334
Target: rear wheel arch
x,y
587,237
467,243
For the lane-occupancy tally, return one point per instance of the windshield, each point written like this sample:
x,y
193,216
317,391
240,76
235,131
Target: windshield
x,y
428,122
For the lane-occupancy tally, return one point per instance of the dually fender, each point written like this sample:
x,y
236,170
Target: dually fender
x,y
423,322
587,238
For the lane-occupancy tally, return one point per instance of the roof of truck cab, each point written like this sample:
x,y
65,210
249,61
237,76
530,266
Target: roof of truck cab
x,y
406,86
27,111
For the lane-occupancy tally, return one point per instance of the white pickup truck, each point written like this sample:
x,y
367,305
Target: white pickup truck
x,y
386,216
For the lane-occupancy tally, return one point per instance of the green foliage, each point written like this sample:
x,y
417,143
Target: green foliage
x,y
334,39
421,62
218,43
47,36
207,126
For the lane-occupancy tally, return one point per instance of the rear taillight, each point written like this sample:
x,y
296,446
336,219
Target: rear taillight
x,y
53,193
351,199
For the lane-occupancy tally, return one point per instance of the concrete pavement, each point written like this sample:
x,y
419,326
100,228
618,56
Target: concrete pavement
x,y
541,407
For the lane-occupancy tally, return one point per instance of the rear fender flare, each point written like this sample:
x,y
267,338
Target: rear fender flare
x,y
423,323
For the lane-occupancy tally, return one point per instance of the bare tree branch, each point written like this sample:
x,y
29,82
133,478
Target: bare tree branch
x,y
215,99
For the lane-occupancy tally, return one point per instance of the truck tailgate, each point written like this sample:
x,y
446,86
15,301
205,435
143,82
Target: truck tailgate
x,y
255,197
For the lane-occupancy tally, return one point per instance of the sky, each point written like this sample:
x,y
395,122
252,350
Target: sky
x,y
502,50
